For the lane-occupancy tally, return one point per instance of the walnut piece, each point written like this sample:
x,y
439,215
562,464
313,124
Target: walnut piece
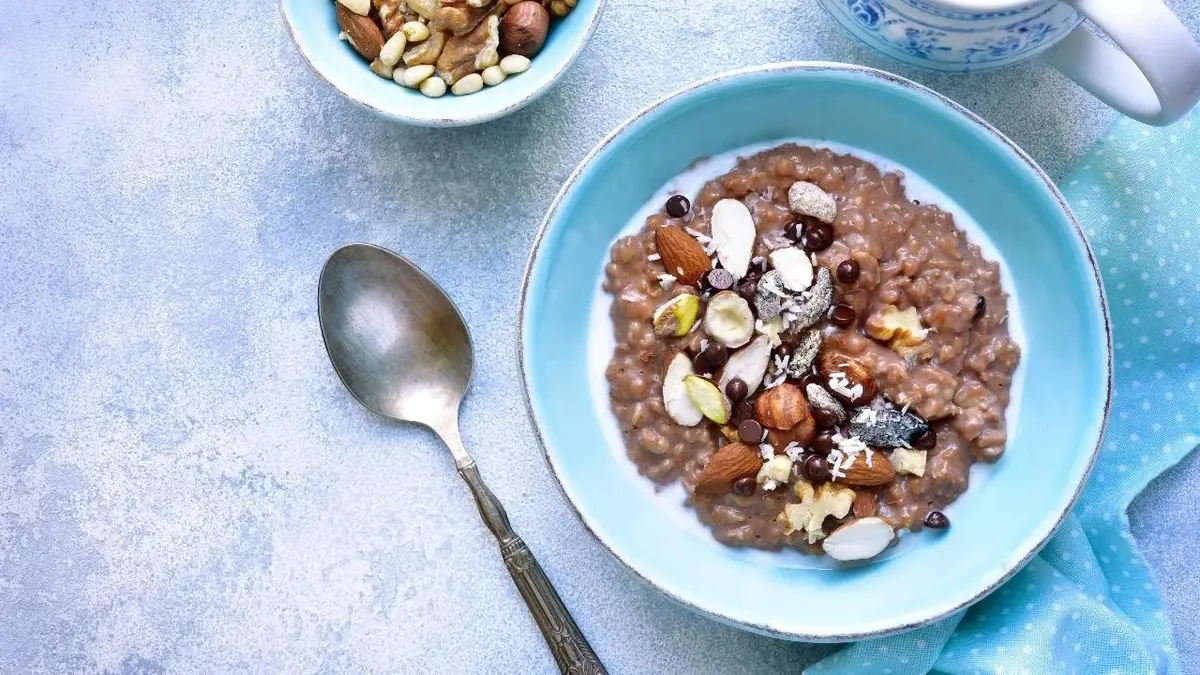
x,y
815,505
426,8
460,19
470,53
392,15
426,52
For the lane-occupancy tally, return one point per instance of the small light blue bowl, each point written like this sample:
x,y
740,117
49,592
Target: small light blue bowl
x,y
999,524
313,26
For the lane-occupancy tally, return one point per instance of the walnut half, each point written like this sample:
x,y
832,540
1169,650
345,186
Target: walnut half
x,y
470,53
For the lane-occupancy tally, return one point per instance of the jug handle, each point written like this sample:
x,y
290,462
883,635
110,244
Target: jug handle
x,y
1156,79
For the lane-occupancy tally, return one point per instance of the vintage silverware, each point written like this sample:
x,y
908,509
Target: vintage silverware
x,y
400,346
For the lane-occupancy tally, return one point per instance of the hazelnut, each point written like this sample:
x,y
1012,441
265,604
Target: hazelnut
x,y
782,407
523,29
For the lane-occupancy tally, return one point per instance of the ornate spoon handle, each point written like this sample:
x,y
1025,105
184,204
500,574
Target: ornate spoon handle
x,y
571,650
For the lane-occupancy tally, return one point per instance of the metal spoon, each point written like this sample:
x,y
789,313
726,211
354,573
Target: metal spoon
x,y
400,346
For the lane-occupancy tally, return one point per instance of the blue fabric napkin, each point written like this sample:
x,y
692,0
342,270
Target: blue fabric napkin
x,y
1088,603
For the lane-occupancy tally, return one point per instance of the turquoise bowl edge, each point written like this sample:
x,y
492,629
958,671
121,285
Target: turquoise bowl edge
x,y
998,525
312,25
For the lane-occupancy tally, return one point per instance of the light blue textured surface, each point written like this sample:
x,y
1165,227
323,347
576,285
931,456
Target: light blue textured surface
x,y
185,487
1061,391
1088,603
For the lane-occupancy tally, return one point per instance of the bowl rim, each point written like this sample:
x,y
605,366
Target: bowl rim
x,y
457,121
972,118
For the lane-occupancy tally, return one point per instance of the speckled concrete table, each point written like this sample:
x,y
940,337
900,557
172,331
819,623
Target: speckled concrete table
x,y
184,485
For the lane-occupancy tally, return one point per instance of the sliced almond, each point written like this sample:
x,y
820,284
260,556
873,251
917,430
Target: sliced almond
x,y
859,539
362,33
707,398
726,466
682,256
878,472
728,319
733,235
675,397
676,316
794,267
749,364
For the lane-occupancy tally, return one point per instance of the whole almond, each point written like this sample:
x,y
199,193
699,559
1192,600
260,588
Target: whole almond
x,y
731,462
362,32
865,504
682,255
782,407
855,374
878,472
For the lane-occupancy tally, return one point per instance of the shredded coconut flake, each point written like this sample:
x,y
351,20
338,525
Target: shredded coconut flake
x,y
770,484
766,451
696,325
667,281
653,257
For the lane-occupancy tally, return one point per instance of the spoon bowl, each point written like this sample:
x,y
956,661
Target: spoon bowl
x,y
396,341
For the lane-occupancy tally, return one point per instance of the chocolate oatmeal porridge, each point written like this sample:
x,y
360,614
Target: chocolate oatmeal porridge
x,y
816,357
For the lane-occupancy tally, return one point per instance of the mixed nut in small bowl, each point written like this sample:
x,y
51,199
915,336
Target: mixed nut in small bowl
x,y
433,45
441,62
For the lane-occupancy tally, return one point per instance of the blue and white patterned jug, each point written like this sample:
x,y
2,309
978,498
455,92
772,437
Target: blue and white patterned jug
x,y
1156,79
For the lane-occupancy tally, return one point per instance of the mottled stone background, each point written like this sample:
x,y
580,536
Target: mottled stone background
x,y
185,487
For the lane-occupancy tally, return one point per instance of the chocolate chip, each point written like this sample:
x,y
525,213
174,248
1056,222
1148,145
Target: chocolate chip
x,y
716,354
843,315
817,237
745,486
816,469
848,271
678,206
750,431
741,412
980,308
747,289
936,520
736,390
824,418
925,441
811,378
720,279
823,443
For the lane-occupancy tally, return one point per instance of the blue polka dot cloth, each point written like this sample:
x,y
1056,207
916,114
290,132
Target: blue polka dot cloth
x,y
1088,604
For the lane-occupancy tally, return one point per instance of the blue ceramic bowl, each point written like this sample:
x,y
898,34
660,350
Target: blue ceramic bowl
x,y
1011,509
313,25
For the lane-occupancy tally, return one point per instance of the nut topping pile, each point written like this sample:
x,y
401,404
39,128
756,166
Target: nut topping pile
x,y
823,367
459,45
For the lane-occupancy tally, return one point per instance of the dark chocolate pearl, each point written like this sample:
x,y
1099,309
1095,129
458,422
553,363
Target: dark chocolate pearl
x,y
843,315
741,412
794,230
848,271
816,469
747,289
823,444
745,486
784,350
700,364
818,237
824,418
925,441
750,431
719,279
980,307
678,206
736,390
716,354
811,378
936,520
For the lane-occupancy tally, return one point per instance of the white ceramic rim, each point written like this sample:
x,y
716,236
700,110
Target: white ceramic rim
x,y
1040,539
442,122
982,6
